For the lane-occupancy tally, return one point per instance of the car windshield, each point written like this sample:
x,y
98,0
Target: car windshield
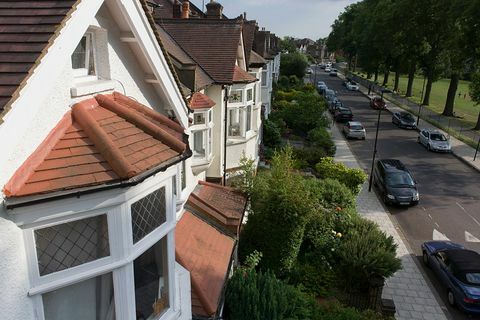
x,y
356,127
473,278
437,137
406,116
400,179
345,111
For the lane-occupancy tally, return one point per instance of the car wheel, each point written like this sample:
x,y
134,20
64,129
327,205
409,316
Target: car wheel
x,y
429,148
363,138
425,259
450,298
385,200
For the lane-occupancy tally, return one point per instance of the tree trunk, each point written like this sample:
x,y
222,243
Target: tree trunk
x,y
428,91
369,75
452,92
477,126
385,78
397,79
411,78
375,79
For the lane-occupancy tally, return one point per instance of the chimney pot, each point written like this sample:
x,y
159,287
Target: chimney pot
x,y
214,10
185,9
177,9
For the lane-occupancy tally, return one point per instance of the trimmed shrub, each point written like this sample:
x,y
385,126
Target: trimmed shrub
x,y
321,138
271,134
331,193
261,296
366,253
352,178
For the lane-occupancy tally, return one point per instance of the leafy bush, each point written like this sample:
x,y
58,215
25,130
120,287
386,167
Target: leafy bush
x,y
335,311
293,63
271,134
259,296
331,193
308,157
352,178
366,253
279,212
321,138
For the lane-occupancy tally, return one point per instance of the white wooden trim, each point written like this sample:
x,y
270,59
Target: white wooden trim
x,y
127,37
124,288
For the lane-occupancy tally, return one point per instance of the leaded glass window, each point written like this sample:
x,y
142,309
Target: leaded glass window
x,y
71,244
148,214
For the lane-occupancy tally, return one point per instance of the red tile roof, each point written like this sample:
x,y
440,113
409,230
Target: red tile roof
x,y
241,76
222,205
26,30
206,253
212,43
200,101
102,140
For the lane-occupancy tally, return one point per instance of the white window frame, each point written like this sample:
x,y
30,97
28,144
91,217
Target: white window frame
x,y
116,205
206,130
232,94
248,121
264,78
240,119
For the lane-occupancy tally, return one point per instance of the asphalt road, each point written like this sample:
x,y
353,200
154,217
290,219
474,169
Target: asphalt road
x,y
449,190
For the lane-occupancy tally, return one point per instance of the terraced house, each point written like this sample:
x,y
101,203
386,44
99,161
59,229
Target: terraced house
x,y
118,135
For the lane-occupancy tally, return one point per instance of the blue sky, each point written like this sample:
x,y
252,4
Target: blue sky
x,y
298,18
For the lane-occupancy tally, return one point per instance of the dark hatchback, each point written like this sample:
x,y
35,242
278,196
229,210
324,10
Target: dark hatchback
x,y
458,269
343,114
404,120
395,183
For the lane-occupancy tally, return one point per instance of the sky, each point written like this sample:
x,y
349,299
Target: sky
x,y
297,18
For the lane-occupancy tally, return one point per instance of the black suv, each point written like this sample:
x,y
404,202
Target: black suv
x,y
395,183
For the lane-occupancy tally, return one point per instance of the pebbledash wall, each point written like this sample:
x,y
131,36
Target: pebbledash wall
x,y
26,136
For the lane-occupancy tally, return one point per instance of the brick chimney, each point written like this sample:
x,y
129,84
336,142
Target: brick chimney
x,y
185,9
214,10
177,9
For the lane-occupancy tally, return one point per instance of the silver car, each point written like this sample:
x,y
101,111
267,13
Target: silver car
x,y
434,140
354,129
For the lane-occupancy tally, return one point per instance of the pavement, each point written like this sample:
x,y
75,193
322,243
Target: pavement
x,y
460,149
413,296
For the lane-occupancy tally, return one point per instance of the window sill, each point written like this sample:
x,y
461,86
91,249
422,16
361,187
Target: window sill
x,y
91,87
237,140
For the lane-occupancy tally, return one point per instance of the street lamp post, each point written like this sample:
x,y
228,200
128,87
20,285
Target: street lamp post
x,y
375,144
476,150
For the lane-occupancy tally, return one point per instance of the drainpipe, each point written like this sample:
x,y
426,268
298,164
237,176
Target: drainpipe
x,y
225,121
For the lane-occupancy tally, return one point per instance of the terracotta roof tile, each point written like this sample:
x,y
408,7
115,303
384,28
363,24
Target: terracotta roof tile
x,y
206,253
212,43
256,60
222,205
241,76
102,140
26,30
201,101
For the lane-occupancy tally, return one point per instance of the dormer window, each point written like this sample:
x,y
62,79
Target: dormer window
x,y
83,58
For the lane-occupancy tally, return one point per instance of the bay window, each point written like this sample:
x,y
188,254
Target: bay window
x,y
80,268
236,96
236,122
249,118
264,78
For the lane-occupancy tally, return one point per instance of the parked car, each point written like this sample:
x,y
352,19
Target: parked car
x,y
328,69
334,105
404,120
321,86
343,114
352,86
378,103
333,73
329,95
309,71
354,129
395,183
457,269
434,140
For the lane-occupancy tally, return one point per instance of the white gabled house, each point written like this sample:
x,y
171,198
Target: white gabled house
x,y
94,157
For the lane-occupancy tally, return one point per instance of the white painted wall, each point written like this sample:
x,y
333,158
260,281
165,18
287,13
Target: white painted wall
x,y
267,90
124,67
216,93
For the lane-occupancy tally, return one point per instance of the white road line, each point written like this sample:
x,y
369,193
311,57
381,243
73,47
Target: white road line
x,y
437,235
438,226
423,208
430,216
470,238
468,214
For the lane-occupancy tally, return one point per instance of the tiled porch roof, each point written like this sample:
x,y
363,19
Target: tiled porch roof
x,y
200,101
206,253
101,141
241,76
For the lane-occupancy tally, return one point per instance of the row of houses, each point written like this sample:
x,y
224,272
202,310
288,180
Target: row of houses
x,y
121,122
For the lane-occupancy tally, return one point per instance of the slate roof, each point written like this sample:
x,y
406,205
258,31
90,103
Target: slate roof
x,y
206,253
200,101
102,140
176,52
212,43
256,60
27,28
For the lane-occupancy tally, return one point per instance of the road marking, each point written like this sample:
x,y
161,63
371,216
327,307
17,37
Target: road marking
x,y
470,238
438,226
468,214
423,208
437,235
430,216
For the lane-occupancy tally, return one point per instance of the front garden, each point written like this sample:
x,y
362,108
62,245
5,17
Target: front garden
x,y
305,252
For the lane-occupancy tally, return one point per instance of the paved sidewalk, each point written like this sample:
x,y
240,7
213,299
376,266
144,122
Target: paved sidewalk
x,y
408,288
461,150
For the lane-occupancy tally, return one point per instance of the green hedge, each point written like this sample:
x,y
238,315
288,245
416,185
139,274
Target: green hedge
x,y
352,178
